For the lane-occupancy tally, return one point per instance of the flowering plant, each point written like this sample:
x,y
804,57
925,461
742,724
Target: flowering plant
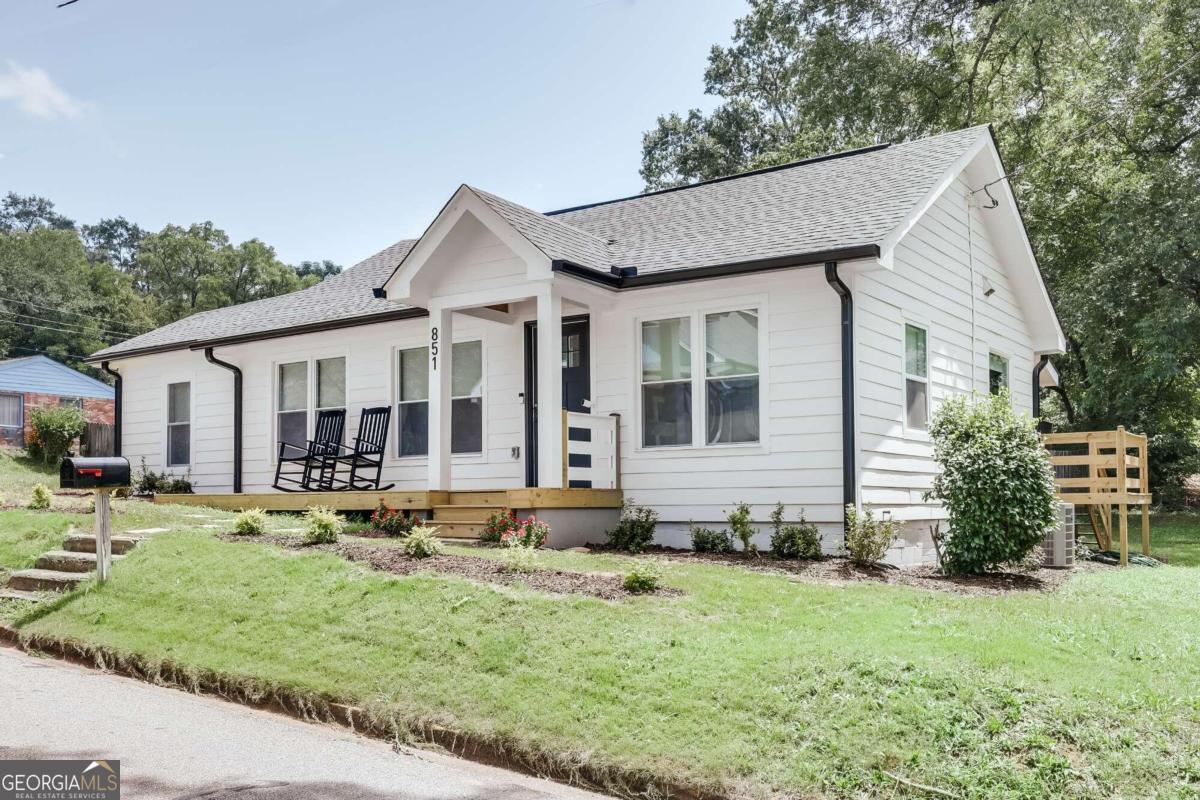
x,y
529,532
498,524
393,521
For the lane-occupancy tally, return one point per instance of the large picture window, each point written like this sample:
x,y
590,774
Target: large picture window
x,y
731,376
916,378
466,400
296,405
667,382
179,424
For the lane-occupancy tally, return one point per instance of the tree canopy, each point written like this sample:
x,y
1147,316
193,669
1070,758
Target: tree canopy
x,y
1096,107
67,291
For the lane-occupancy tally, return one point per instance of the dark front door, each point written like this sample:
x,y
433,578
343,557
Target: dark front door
x,y
576,381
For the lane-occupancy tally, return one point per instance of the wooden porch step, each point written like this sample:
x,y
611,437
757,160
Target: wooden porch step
x,y
463,512
459,530
479,497
69,561
44,580
86,543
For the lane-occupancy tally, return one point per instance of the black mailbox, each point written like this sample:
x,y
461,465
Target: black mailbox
x,y
93,473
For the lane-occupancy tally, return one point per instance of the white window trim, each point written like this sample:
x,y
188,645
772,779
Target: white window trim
x,y
393,456
20,405
699,445
311,397
995,351
917,322
166,451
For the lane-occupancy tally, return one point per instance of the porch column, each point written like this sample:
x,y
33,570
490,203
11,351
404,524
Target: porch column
x,y
549,388
441,334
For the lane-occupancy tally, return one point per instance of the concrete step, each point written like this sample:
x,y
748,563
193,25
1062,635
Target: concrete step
x,y
459,530
69,561
86,543
465,513
44,580
481,497
18,594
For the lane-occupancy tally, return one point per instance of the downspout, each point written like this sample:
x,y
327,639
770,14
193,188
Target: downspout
x,y
117,386
1037,388
849,476
237,416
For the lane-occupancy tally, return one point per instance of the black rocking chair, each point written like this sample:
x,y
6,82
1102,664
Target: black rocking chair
x,y
366,456
305,463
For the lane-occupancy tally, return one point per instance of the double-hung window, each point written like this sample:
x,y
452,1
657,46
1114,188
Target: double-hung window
x,y
296,405
721,375
179,424
667,382
11,411
466,400
916,377
997,373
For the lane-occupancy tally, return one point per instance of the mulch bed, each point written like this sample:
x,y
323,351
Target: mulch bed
x,y
841,572
606,586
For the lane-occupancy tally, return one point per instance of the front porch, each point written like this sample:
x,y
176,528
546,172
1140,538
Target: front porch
x,y
576,516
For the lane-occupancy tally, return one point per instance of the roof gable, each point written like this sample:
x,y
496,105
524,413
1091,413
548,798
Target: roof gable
x,y
42,375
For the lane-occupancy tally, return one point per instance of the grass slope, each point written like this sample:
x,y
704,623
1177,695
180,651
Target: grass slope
x,y
749,684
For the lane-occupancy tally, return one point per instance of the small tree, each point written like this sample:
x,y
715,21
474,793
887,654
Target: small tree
x,y
996,483
54,429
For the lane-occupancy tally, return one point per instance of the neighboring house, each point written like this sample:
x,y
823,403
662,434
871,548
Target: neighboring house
x,y
781,335
29,383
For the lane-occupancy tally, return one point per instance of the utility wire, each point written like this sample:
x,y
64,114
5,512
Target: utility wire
x,y
1071,140
59,330
68,357
84,328
67,311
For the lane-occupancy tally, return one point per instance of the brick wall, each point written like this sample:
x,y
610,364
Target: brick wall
x,y
94,410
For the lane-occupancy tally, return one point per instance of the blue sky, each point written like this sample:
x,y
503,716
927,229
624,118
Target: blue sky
x,y
331,129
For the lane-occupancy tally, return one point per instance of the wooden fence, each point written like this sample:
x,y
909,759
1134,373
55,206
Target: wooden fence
x,y
1100,470
98,439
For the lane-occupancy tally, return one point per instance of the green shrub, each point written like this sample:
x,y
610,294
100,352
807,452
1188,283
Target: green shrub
x,y
741,527
40,500
321,525
643,578
794,541
149,482
251,522
422,542
392,521
867,538
635,530
996,483
54,429
707,540
519,558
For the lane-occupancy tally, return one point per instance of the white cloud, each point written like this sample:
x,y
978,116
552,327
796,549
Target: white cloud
x,y
36,94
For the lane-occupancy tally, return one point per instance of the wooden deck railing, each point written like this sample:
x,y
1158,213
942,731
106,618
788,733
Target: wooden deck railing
x,y
594,440
1102,469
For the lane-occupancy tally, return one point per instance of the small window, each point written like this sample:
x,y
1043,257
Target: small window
x,y
292,407
731,376
71,402
997,373
11,411
667,382
916,378
179,424
466,400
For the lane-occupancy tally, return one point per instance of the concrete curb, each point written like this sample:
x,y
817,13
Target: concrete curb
x,y
314,708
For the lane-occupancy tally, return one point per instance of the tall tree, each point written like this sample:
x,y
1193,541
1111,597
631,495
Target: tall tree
x,y
25,213
319,269
1097,108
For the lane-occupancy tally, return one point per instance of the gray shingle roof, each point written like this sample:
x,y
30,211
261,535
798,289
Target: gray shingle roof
x,y
843,201
343,296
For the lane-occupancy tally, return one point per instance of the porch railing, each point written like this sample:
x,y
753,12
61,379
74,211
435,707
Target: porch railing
x,y
591,450
1102,469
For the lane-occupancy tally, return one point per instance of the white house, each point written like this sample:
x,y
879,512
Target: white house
x,y
781,335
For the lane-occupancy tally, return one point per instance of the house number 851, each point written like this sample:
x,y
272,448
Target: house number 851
x,y
433,346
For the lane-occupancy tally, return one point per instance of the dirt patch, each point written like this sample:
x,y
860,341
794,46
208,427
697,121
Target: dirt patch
x,y
841,572
606,586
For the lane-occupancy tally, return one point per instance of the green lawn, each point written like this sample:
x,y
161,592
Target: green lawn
x,y
19,474
748,684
